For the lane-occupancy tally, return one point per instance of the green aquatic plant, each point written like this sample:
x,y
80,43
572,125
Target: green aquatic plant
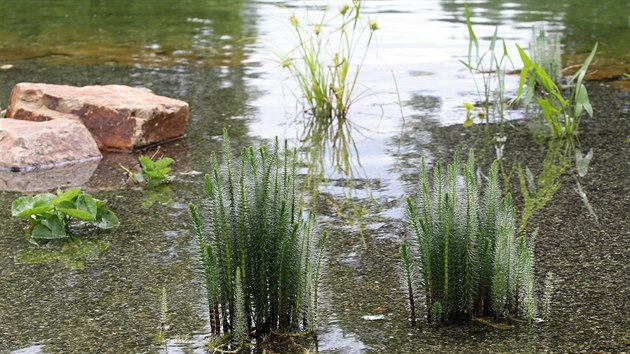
x,y
160,337
470,259
50,215
153,171
261,255
324,64
562,114
492,68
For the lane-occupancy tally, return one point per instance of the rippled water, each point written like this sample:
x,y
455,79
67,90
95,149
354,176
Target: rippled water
x,y
104,295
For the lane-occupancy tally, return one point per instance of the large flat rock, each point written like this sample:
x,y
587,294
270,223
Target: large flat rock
x,y
27,146
119,117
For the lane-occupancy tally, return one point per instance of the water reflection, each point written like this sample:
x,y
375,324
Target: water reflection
x,y
70,175
579,23
143,32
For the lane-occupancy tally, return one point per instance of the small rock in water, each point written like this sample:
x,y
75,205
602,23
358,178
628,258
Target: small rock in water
x,y
6,66
373,317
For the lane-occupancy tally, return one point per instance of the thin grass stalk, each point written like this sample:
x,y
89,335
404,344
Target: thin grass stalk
x,y
406,263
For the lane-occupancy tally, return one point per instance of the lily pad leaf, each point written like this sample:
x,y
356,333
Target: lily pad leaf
x,y
105,219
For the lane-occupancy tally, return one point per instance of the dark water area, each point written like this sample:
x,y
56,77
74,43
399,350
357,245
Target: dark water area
x,y
104,294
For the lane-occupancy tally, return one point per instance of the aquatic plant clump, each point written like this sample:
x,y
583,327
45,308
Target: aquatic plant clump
x,y
470,260
260,253
325,69
50,215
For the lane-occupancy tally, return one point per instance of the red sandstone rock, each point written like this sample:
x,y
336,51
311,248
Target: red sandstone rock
x,y
119,117
27,146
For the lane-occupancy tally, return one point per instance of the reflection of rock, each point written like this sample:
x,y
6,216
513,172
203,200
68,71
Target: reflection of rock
x,y
119,117
28,146
622,84
610,72
69,175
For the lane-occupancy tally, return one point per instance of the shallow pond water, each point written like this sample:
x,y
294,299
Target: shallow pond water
x,y
104,294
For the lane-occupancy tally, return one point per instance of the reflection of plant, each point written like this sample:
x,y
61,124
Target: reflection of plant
x,y
492,69
538,191
161,194
49,215
71,252
471,261
152,172
563,115
257,231
545,52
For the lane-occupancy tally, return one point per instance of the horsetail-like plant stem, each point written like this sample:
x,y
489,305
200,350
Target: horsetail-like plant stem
x,y
257,253
470,260
406,263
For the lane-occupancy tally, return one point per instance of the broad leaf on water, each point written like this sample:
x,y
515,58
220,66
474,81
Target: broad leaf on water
x,y
84,208
50,228
67,195
105,219
32,205
146,162
163,162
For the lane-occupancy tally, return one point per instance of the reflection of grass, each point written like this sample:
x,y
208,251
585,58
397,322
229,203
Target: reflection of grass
x,y
71,252
326,62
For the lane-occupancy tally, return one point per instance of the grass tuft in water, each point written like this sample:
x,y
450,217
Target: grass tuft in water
x,y
261,255
491,66
470,259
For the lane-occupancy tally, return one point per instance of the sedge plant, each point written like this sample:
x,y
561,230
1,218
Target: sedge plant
x,y
491,66
261,255
326,63
470,260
